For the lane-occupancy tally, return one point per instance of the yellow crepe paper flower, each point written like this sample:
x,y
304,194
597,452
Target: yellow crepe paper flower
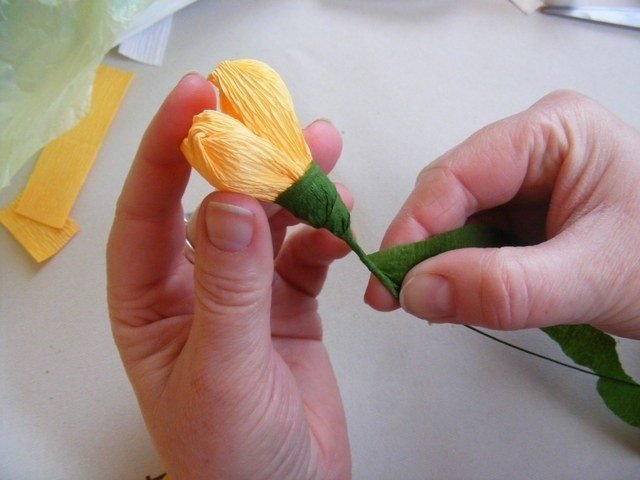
x,y
233,158
255,146
254,93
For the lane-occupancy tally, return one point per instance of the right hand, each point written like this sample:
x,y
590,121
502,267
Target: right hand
x,y
564,176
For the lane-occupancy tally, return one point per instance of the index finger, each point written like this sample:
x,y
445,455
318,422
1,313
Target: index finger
x,y
148,230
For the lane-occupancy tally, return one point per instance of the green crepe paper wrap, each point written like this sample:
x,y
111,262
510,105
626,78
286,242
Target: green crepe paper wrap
x,y
314,198
396,261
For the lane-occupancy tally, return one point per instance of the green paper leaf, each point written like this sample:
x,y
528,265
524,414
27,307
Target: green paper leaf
x,y
594,349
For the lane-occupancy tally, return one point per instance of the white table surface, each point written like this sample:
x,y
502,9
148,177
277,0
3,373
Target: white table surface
x,y
404,81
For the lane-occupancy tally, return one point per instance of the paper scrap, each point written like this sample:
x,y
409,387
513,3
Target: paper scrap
x,y
41,241
149,45
50,53
64,164
528,6
156,11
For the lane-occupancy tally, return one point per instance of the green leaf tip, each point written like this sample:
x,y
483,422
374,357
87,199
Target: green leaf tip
x,y
594,349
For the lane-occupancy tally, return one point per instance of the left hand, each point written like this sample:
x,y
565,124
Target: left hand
x,y
225,356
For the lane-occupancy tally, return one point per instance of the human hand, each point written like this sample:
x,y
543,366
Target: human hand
x,y
563,176
225,356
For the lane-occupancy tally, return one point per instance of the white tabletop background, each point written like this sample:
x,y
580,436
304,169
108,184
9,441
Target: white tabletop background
x,y
403,81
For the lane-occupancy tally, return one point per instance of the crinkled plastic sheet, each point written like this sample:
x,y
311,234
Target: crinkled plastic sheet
x,y
49,52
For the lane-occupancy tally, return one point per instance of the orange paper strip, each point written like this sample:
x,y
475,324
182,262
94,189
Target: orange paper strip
x,y
41,241
64,164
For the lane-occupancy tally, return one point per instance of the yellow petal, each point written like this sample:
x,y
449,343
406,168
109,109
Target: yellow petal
x,y
232,158
254,93
227,107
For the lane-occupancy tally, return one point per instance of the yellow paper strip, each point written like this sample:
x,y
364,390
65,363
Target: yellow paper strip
x,y
64,164
41,241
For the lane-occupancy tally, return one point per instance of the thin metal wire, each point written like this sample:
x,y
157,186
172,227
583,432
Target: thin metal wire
x,y
549,359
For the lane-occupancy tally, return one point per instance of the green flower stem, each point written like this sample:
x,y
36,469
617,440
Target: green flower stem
x,y
314,198
373,267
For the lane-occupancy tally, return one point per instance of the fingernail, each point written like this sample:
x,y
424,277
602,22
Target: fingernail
x,y
191,73
427,296
230,227
321,120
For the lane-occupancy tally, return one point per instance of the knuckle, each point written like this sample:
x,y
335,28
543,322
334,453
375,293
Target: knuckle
x,y
567,110
504,294
566,102
219,292
564,97
552,128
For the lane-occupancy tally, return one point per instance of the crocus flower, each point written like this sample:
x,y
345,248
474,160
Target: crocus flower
x,y
255,146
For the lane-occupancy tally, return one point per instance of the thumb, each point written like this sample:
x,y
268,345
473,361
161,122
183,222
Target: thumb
x,y
506,288
233,275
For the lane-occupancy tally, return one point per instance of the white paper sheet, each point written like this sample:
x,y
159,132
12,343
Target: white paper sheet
x,y
528,6
149,45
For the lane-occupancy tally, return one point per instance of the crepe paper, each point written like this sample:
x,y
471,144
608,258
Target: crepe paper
x,y
254,93
63,165
232,158
154,13
596,350
397,261
585,345
50,52
149,45
329,212
254,147
314,198
41,241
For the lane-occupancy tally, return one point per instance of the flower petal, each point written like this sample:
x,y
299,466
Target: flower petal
x,y
232,158
227,107
255,94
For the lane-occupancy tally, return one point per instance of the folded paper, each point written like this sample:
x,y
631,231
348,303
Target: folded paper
x,y
39,240
256,146
149,45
